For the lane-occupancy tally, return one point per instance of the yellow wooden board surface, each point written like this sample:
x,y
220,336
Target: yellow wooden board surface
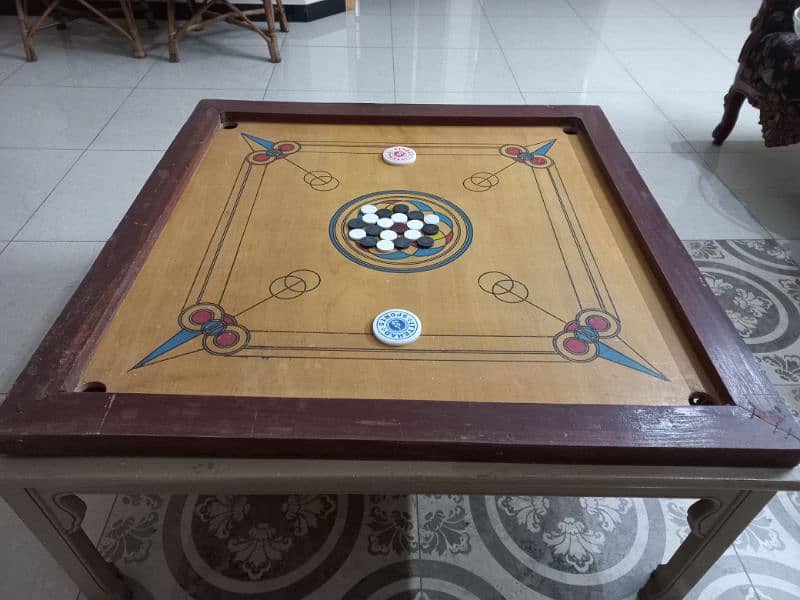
x,y
533,291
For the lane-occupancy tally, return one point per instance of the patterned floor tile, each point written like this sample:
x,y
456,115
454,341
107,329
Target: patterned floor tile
x,y
323,546
447,547
793,248
758,285
770,549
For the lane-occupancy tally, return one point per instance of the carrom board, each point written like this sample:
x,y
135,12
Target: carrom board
x,y
553,285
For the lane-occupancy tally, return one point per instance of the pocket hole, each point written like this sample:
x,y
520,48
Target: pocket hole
x,y
569,130
93,386
229,124
701,399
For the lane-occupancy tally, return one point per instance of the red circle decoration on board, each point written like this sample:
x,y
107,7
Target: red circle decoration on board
x,y
201,316
226,339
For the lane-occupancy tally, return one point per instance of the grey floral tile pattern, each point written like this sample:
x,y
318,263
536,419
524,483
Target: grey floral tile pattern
x,y
128,537
454,547
758,285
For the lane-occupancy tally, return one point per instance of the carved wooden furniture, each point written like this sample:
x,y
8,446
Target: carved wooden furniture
x,y
127,28
214,344
768,76
208,12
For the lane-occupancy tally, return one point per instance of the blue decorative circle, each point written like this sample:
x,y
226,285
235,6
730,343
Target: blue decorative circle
x,y
448,246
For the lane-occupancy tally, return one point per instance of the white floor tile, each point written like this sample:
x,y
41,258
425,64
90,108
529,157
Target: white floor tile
x,y
452,70
637,121
346,29
372,7
726,34
83,67
761,171
517,33
711,8
92,198
696,114
28,176
570,71
342,69
679,70
26,569
436,7
460,98
696,203
622,33
452,31
329,96
150,118
778,211
36,280
528,8
619,8
204,65
12,57
55,117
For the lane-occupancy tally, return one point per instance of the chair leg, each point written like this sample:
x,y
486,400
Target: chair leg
x,y
27,38
130,24
281,13
272,40
172,37
733,103
193,10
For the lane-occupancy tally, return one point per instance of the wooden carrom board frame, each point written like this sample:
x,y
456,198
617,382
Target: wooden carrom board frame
x,y
43,415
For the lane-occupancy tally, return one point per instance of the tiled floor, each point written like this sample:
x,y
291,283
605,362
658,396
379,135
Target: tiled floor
x,y
81,129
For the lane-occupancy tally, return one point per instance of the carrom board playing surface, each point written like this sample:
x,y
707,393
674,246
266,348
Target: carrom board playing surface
x,y
229,315
531,292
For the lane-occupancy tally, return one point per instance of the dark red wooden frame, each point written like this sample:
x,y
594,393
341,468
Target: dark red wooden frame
x,y
44,416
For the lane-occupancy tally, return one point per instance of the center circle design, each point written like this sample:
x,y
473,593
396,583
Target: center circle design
x,y
397,324
453,238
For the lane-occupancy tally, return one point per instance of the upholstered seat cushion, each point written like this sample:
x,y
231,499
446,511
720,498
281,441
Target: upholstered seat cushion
x,y
773,66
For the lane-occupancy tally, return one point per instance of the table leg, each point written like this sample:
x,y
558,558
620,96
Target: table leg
x,y
715,522
55,519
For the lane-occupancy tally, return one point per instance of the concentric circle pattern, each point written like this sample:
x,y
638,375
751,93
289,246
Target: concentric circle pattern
x,y
453,238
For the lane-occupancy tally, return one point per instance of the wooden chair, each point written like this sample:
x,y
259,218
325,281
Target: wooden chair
x,y
208,12
768,76
63,14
